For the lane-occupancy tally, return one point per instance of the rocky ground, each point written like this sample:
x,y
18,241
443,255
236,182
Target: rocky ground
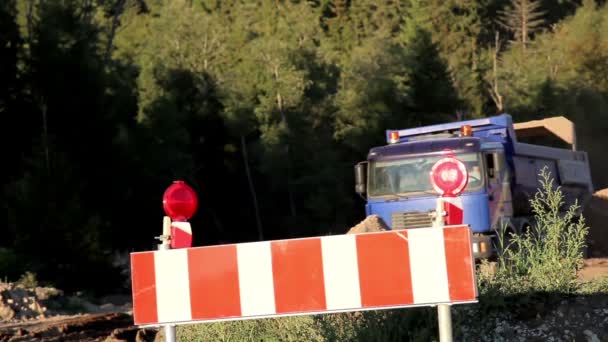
x,y
579,319
46,314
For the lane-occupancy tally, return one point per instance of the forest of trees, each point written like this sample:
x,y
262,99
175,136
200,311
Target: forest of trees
x,y
263,106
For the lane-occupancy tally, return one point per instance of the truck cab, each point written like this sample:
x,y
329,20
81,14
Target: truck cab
x,y
396,184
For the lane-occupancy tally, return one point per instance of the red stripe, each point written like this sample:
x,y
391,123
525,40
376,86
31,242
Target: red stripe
x,y
459,262
384,269
453,210
214,282
143,282
180,238
297,268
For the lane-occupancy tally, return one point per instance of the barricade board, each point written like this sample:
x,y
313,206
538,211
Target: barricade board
x,y
390,269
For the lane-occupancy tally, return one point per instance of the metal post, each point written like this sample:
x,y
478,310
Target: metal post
x,y
444,315
169,333
169,330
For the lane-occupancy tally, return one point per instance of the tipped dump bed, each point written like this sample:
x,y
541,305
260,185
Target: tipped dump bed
x,y
559,126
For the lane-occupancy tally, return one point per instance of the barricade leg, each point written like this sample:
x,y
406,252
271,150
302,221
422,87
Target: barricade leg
x,y
169,331
444,316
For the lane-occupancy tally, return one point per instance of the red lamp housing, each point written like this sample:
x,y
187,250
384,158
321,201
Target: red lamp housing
x,y
449,176
393,137
180,201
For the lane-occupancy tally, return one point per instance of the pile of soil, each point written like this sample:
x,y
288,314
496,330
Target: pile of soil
x,y
596,218
18,303
47,314
372,223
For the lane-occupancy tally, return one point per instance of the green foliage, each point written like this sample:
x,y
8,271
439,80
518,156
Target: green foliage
x,y
547,257
455,27
417,324
279,329
28,280
594,286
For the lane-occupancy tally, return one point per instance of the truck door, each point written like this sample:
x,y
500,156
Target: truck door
x,y
498,186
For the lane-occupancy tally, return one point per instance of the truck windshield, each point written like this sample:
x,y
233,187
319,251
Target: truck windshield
x,y
411,176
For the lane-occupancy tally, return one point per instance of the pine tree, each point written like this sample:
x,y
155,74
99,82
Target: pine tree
x,y
455,27
523,18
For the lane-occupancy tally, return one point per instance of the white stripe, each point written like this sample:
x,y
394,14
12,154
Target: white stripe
x,y
185,226
341,272
255,278
172,285
428,267
456,201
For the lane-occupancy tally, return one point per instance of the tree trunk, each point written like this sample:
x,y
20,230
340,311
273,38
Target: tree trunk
x,y
494,92
258,220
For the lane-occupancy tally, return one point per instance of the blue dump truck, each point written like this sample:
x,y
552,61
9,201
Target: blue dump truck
x,y
503,173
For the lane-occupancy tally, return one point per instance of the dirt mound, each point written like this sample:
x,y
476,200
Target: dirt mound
x,y
47,314
603,194
596,217
20,303
372,223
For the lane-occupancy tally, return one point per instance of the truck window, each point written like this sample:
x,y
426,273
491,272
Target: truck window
x,y
411,176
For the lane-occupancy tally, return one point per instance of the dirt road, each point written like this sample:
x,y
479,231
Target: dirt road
x,y
85,327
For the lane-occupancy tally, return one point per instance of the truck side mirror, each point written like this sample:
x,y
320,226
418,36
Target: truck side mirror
x,y
360,178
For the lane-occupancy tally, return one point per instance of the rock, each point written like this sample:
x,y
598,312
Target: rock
x,y
45,293
6,312
591,337
372,223
146,335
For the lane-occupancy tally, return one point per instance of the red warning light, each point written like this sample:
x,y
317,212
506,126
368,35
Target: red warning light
x,y
449,176
393,137
180,201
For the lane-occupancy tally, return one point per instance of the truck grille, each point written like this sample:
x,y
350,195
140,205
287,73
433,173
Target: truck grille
x,y
411,219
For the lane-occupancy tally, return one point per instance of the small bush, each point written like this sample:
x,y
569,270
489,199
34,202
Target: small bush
x,y
28,280
547,257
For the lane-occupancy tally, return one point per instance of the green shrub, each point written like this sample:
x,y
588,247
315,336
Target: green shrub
x,y
415,324
547,257
297,328
28,280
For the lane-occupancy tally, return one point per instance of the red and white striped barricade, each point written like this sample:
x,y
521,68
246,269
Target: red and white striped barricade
x,y
391,269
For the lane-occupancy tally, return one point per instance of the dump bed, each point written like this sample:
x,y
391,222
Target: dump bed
x,y
569,165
